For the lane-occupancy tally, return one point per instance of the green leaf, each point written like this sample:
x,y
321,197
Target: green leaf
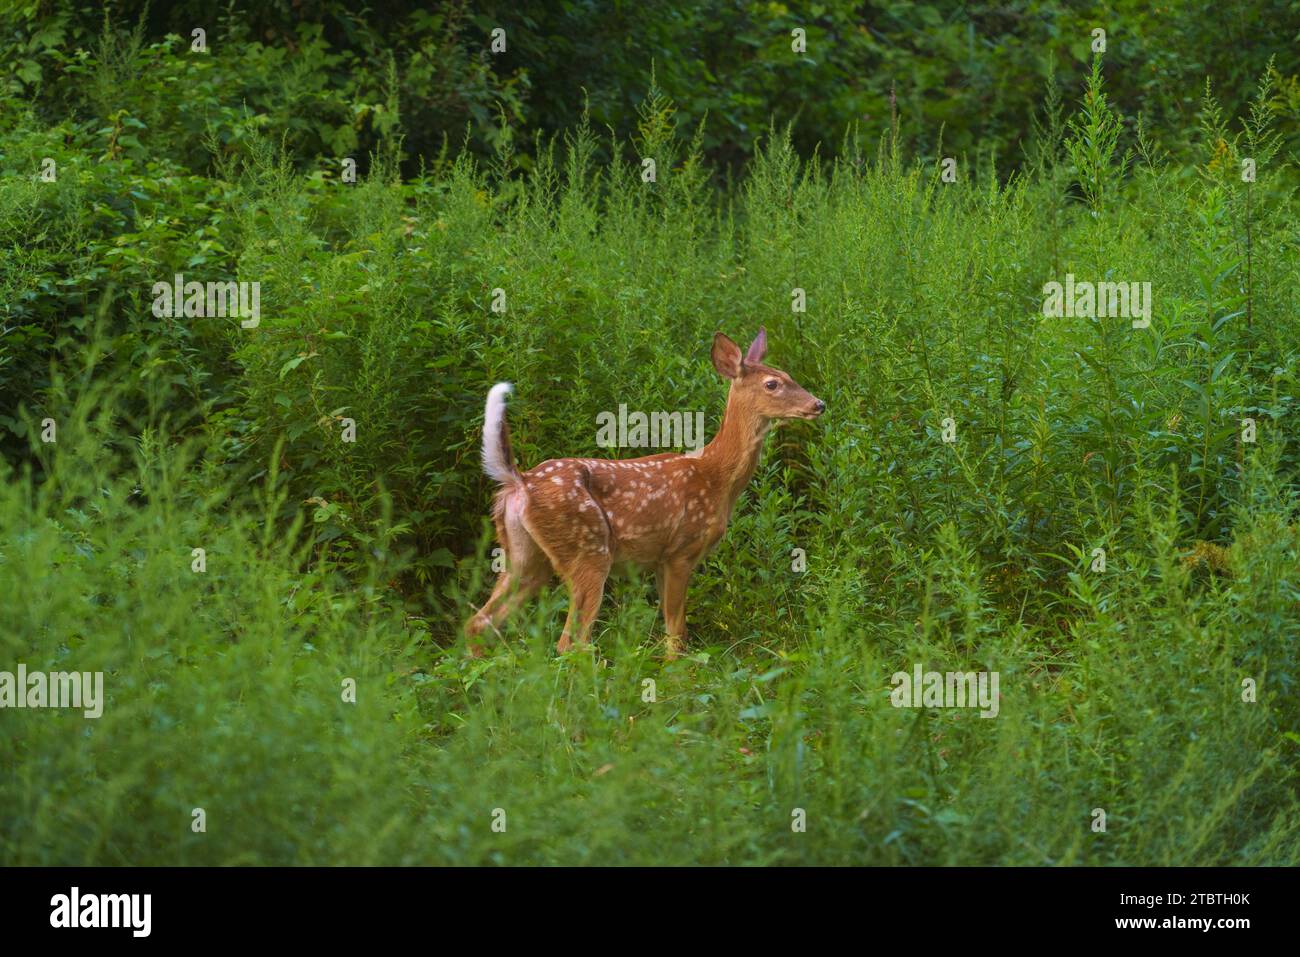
x,y
293,364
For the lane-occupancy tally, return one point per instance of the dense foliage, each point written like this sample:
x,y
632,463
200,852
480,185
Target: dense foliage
x,y
327,560
329,77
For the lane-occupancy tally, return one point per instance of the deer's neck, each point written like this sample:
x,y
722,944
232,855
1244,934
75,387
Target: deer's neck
x,y
734,451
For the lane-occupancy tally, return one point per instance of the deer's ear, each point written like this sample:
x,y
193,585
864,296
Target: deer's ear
x,y
726,356
757,348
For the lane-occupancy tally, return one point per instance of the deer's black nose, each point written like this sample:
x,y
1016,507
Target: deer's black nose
x,y
820,407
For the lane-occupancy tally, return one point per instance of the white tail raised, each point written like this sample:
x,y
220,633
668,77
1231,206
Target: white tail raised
x,y
498,460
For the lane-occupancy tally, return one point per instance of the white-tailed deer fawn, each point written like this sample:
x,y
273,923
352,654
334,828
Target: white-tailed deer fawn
x,y
576,517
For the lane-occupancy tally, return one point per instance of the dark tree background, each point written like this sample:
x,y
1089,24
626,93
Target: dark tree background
x,y
972,73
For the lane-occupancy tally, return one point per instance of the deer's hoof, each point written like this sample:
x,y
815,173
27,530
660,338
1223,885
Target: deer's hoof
x,y
563,645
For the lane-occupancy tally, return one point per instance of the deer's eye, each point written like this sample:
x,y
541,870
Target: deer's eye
x,y
771,385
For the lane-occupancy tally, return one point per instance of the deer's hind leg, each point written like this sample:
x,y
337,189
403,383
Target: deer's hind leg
x,y
527,569
569,524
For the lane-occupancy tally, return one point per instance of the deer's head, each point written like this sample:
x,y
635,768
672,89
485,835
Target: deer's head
x,y
760,390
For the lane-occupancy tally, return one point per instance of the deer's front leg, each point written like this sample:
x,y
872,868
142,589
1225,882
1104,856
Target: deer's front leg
x,y
673,577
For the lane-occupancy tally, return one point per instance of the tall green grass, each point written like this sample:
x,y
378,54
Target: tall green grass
x,y
1121,690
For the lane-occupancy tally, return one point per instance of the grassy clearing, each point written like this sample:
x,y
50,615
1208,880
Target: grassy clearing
x,y
1121,690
